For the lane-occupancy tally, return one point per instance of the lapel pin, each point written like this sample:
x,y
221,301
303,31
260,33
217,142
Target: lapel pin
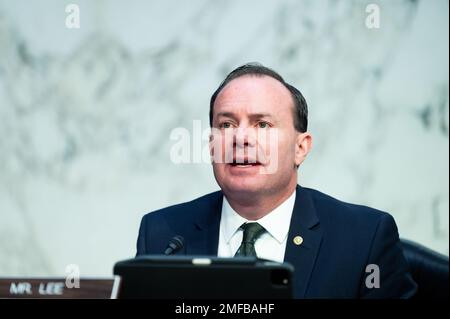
x,y
298,240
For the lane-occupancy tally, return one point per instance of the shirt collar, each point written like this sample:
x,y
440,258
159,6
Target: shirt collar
x,y
276,222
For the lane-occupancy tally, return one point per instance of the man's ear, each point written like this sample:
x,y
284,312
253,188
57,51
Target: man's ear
x,y
302,147
212,146
215,145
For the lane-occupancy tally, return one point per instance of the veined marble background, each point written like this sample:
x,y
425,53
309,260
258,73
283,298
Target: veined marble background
x,y
86,114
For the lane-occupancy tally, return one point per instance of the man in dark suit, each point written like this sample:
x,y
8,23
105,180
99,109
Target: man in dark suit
x,y
259,139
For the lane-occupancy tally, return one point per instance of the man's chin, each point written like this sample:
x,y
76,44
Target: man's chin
x,y
245,187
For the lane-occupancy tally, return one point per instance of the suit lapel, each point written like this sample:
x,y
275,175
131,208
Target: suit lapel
x,y
204,238
302,254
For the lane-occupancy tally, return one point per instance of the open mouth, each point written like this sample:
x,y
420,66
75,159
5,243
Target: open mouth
x,y
244,163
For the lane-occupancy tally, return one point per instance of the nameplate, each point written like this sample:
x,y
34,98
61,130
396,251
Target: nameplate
x,y
59,288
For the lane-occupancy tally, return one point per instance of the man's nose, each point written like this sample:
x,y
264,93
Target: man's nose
x,y
244,136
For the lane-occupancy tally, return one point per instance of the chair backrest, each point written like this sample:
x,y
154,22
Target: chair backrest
x,y
429,270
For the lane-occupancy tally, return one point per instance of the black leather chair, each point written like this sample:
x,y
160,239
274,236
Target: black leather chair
x,y
429,270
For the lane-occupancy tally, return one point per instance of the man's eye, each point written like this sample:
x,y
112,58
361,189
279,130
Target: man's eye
x,y
263,125
225,125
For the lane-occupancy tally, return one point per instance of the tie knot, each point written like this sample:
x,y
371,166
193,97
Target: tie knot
x,y
251,232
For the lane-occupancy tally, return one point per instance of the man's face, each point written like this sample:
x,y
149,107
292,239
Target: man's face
x,y
254,134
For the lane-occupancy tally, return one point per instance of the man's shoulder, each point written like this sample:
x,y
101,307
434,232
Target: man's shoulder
x,y
185,209
352,227
336,210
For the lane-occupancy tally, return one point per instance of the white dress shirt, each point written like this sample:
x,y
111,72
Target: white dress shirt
x,y
271,245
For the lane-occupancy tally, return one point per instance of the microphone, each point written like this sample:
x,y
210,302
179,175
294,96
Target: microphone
x,y
175,244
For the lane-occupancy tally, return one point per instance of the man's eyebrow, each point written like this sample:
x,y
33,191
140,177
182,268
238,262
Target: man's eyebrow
x,y
260,115
226,114
252,116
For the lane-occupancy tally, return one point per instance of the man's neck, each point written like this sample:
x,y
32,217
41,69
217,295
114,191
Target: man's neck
x,y
256,207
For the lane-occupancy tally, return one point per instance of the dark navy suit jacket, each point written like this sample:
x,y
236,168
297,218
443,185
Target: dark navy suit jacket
x,y
339,241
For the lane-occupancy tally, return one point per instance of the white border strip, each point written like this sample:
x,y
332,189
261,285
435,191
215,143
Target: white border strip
x,y
115,288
